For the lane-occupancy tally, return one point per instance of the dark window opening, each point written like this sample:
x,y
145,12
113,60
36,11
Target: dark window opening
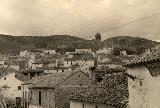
x,y
4,78
23,94
96,106
30,96
83,105
39,98
99,79
140,83
19,87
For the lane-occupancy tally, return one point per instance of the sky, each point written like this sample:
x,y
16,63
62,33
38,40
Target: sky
x,y
81,18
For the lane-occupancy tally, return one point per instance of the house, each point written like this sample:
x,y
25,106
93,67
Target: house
x,y
143,81
110,93
105,50
11,86
124,53
97,74
54,91
79,59
83,50
25,97
51,70
49,51
24,53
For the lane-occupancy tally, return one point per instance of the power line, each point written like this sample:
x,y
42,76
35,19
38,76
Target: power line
x,y
91,22
133,21
94,20
57,17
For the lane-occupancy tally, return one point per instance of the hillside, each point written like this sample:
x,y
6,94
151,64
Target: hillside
x,y
133,45
14,44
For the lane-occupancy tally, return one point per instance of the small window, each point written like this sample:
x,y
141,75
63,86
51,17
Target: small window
x,y
96,106
83,105
79,75
4,78
23,94
19,87
39,97
140,83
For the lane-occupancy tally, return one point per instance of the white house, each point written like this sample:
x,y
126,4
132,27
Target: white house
x,y
70,62
83,50
124,53
23,53
49,51
105,50
10,86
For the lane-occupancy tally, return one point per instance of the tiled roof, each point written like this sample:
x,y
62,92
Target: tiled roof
x,y
54,79
143,59
44,61
37,78
81,56
111,92
6,71
111,70
32,71
150,55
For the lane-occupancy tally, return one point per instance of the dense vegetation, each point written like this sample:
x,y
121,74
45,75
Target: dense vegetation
x,y
133,45
59,42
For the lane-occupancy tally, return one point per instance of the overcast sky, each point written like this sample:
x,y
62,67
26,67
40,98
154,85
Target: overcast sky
x,y
81,18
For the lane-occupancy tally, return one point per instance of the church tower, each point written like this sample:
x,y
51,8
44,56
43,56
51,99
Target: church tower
x,y
98,40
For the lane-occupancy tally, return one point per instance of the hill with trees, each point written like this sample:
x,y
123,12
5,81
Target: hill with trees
x,y
13,44
132,45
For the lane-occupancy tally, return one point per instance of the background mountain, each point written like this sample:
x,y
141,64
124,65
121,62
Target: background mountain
x,y
133,45
13,44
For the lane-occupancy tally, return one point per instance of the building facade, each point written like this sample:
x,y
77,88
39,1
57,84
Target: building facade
x,y
143,82
54,92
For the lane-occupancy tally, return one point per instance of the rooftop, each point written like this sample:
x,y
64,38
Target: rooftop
x,y
33,71
111,92
143,59
54,79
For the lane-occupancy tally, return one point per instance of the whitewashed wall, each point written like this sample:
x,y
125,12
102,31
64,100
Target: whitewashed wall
x,y
146,95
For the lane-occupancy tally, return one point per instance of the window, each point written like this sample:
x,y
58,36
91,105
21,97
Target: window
x,y
4,78
19,87
23,95
39,97
30,96
96,106
83,105
140,83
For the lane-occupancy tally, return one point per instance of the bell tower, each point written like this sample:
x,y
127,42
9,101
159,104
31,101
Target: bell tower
x,y
98,40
